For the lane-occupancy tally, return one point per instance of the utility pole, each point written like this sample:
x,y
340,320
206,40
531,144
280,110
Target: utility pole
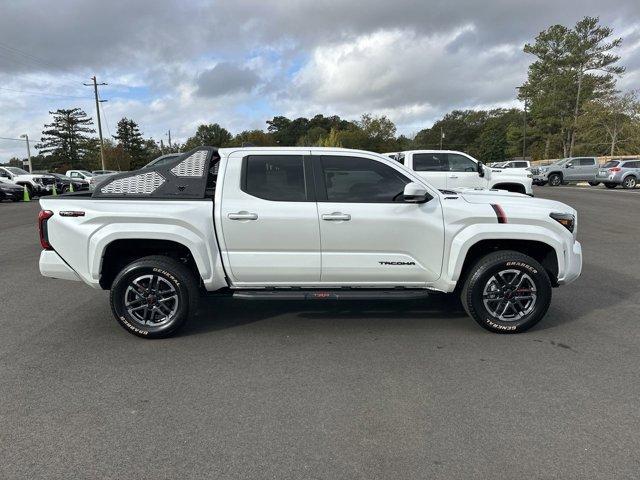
x,y
161,147
26,137
98,102
441,137
169,133
524,132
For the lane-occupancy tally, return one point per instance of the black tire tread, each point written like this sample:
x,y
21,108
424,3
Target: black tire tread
x,y
477,271
177,268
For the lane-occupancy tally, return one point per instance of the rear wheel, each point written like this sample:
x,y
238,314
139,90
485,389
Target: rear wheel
x,y
153,297
555,180
594,184
610,185
507,292
629,182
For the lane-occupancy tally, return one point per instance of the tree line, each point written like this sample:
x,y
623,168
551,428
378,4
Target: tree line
x,y
571,107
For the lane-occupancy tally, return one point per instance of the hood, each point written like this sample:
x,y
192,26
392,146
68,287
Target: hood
x,y
511,199
509,172
29,176
9,186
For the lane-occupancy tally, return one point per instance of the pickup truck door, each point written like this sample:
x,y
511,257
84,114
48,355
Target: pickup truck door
x,y
269,219
587,169
463,172
430,166
370,236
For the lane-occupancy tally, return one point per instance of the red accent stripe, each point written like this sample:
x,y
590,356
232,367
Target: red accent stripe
x,y
502,217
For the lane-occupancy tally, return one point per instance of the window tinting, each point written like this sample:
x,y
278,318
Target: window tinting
x,y
430,162
631,165
354,179
586,162
611,164
275,177
520,165
460,163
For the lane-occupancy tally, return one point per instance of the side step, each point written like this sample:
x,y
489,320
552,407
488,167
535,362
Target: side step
x,y
332,294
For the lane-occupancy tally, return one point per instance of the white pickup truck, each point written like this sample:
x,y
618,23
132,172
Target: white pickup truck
x,y
305,223
451,169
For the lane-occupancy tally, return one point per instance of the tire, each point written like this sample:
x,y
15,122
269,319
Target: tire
x,y
173,279
594,184
65,189
507,269
610,185
629,182
555,180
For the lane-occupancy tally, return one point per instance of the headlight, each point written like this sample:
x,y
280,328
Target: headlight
x,y
567,220
544,169
529,175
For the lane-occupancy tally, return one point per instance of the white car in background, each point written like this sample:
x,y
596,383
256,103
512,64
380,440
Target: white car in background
x,y
451,169
36,184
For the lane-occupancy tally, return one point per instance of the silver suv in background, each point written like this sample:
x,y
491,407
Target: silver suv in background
x,y
576,169
620,172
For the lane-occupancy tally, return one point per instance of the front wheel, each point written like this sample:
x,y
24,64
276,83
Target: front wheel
x,y
555,180
153,297
507,292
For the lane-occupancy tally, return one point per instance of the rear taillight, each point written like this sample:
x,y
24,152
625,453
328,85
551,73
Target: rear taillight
x,y
615,169
43,216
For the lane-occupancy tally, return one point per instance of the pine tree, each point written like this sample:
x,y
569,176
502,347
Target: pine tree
x,y
130,140
66,138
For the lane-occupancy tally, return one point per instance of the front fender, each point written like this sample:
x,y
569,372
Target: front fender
x,y
473,234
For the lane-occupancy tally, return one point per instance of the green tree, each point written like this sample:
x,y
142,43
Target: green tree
x,y
131,142
66,139
210,134
257,138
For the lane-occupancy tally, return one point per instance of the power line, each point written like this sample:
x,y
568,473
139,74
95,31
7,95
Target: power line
x,y
44,94
16,139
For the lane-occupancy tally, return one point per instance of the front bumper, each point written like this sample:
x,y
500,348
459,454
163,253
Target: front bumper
x,y
572,264
11,194
52,265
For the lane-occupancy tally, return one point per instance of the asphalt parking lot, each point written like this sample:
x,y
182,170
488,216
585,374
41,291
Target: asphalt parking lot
x,y
326,390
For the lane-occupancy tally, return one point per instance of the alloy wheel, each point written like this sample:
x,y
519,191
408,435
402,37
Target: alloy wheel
x,y
509,295
151,300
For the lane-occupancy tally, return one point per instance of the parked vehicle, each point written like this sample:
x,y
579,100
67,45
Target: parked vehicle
x,y
576,169
620,172
36,184
449,169
305,223
104,172
10,191
162,160
63,183
83,175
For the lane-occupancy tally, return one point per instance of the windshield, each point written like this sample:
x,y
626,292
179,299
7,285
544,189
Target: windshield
x,y
85,173
499,164
17,171
611,164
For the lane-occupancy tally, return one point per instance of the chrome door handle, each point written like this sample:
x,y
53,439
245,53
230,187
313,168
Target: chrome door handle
x,y
242,216
336,217
453,176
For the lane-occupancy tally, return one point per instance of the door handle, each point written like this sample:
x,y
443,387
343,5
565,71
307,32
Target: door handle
x,y
336,217
242,216
453,176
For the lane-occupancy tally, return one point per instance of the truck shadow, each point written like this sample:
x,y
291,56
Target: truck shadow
x,y
226,313
570,304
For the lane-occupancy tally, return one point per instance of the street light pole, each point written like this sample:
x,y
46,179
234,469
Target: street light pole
x,y
524,132
26,137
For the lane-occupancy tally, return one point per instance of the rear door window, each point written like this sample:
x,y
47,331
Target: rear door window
x,y
587,162
275,177
430,162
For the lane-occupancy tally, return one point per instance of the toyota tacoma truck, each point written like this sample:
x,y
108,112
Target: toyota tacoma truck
x,y
305,223
451,169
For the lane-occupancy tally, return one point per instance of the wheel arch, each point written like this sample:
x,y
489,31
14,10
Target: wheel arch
x,y
119,253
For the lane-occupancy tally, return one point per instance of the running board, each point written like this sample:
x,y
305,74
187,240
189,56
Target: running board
x,y
332,294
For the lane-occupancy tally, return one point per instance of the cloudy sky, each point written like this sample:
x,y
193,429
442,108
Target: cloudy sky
x,y
176,64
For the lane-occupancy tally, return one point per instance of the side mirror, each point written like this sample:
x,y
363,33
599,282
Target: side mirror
x,y
480,169
415,193
569,165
